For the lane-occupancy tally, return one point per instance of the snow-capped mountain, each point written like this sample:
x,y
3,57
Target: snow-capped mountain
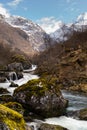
x,y
36,35
81,22
65,30
62,33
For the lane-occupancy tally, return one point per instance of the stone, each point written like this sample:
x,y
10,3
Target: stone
x,y
45,126
83,114
15,106
11,120
6,98
15,67
38,97
13,85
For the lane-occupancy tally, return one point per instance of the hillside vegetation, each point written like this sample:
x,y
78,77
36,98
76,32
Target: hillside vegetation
x,y
67,62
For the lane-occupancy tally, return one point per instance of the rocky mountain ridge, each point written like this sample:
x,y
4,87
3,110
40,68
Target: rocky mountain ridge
x,y
36,34
37,37
65,30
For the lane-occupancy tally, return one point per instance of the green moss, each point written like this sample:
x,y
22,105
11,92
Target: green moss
x,y
6,98
15,106
18,58
38,87
11,118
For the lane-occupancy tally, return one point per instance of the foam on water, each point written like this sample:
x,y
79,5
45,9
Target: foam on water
x,y
69,123
25,79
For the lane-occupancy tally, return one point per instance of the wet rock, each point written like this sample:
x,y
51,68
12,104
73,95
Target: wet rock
x,y
19,75
38,97
13,85
3,91
27,127
3,126
11,120
15,106
14,67
83,114
6,98
45,126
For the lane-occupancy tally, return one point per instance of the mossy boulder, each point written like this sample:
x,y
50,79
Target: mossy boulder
x,y
22,59
15,66
15,106
45,126
11,119
6,98
41,97
83,114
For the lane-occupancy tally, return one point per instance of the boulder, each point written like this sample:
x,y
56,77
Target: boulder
x,y
83,114
15,106
3,126
13,85
41,97
45,126
19,75
10,119
6,98
14,67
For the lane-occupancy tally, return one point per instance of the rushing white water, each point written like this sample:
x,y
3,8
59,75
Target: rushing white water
x,y
69,123
13,76
25,79
76,102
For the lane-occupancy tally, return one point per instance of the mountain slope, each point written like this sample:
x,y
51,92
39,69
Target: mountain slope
x,y
65,31
66,62
15,37
37,37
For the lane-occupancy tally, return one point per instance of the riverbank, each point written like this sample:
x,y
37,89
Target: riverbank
x,y
76,102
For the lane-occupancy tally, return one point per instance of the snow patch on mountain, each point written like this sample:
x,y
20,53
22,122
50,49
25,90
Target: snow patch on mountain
x,y
65,31
36,34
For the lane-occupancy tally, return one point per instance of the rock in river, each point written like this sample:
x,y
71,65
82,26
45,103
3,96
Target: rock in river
x,y
41,97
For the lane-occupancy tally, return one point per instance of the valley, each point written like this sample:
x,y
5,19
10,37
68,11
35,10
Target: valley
x,y
43,79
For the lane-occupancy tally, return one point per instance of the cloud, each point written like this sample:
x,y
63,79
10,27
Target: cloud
x,y
4,11
49,24
14,2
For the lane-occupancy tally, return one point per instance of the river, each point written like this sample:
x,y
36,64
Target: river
x,y
76,102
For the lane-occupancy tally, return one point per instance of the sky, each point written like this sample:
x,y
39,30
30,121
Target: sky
x,y
47,13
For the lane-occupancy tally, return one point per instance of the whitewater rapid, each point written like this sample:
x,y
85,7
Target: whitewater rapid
x,y
67,122
76,102
26,77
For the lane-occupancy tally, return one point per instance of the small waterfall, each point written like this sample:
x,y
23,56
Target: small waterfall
x,y
13,76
